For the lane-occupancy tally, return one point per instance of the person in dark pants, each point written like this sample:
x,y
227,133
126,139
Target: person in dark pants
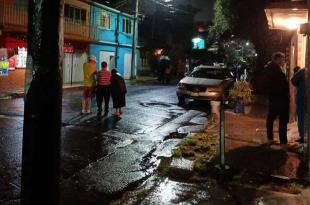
x,y
277,88
103,89
118,92
298,80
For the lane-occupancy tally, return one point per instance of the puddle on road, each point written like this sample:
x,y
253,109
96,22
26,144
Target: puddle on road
x,y
155,104
175,135
124,143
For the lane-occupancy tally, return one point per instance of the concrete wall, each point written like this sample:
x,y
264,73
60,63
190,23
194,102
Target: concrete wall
x,y
103,34
108,38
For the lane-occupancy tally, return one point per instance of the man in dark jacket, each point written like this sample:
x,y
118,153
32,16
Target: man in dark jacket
x,y
277,88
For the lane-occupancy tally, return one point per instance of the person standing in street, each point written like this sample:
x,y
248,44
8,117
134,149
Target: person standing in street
x,y
277,88
103,89
298,80
118,92
89,69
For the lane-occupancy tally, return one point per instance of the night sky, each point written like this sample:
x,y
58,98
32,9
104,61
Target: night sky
x,y
206,6
207,9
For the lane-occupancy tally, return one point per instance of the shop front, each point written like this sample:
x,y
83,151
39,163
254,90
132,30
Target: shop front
x,y
13,58
75,55
288,16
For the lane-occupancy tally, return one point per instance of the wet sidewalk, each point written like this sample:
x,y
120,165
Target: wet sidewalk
x,y
246,147
19,93
261,174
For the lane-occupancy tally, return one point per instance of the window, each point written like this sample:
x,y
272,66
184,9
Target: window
x,y
127,26
105,20
211,73
75,14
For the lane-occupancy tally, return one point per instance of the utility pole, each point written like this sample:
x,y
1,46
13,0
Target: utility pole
x,y
43,104
117,40
134,41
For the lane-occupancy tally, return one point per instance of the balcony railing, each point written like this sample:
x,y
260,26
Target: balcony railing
x,y
11,14
14,15
76,28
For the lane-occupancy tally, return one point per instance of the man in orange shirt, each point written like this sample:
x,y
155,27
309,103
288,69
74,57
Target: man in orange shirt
x,y
89,69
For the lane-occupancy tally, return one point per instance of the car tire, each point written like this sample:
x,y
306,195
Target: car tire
x,y
181,100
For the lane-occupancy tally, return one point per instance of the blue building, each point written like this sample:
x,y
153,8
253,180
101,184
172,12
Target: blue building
x,y
113,31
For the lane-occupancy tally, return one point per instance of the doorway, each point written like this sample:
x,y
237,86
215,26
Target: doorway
x,y
108,57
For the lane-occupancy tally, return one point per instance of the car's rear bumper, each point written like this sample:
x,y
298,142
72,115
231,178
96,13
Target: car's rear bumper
x,y
199,95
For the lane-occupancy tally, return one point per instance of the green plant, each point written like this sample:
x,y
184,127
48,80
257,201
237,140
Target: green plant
x,y
241,93
177,153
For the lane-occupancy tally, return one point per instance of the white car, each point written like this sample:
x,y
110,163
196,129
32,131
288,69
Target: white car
x,y
205,83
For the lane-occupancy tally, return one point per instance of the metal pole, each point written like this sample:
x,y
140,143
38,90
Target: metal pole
x,y
134,41
72,68
222,134
117,41
43,104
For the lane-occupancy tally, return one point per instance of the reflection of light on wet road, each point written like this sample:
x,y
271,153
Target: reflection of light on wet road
x,y
166,191
170,192
261,202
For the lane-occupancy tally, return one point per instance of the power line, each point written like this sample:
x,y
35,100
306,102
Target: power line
x,y
170,7
120,4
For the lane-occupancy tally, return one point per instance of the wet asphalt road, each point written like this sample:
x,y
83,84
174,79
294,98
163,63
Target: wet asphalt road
x,y
100,159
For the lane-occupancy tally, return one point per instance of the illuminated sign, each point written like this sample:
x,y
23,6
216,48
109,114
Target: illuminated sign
x,y
4,63
4,66
198,43
21,58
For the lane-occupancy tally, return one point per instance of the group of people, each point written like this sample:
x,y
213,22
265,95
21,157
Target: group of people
x,y
103,84
277,87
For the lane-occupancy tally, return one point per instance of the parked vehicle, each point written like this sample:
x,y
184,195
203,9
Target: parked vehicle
x,y
205,83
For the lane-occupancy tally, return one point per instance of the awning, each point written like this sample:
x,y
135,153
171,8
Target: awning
x,y
286,15
12,43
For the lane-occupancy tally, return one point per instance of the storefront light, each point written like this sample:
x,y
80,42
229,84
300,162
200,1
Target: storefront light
x,y
286,18
289,23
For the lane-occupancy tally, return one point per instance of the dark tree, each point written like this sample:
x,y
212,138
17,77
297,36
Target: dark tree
x,y
42,117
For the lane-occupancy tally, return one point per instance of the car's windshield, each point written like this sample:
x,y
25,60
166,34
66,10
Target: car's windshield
x,y
211,73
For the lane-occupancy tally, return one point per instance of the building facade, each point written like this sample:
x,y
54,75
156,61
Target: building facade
x,y
89,29
114,34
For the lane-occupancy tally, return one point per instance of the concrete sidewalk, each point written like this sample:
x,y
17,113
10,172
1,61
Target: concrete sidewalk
x,y
262,174
246,150
246,147
19,93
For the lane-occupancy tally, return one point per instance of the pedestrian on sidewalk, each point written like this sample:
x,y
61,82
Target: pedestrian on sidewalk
x,y
103,89
89,69
298,80
118,92
277,88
